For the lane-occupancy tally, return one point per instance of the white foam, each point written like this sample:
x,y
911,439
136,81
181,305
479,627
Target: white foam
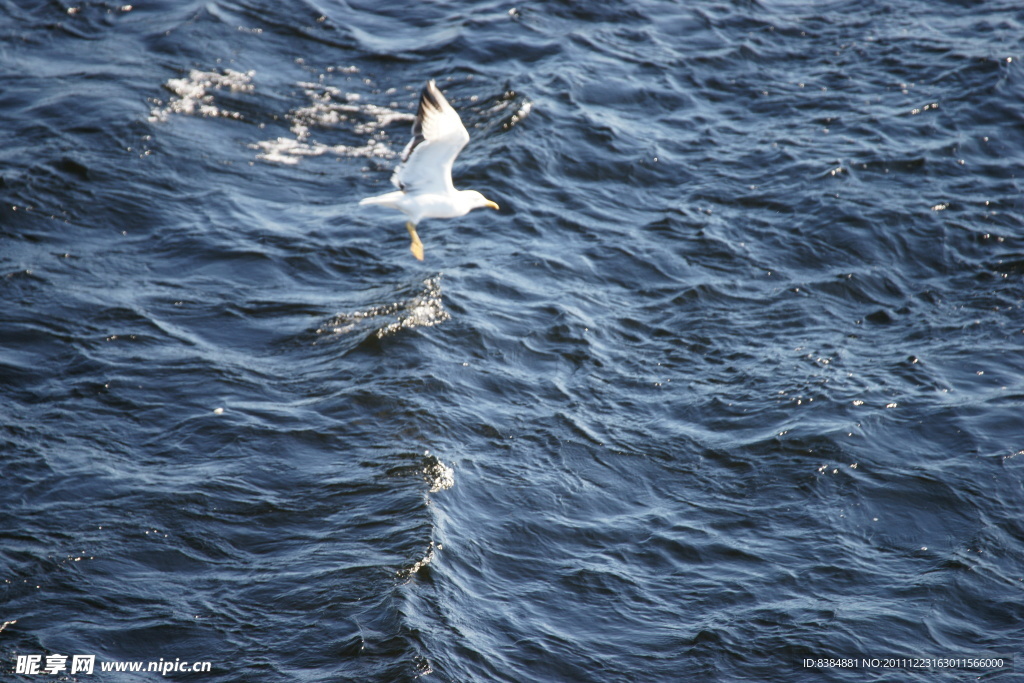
x,y
291,150
438,475
331,107
328,107
421,563
425,309
193,96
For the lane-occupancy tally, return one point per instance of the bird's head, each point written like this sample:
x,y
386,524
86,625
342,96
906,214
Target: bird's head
x,y
479,201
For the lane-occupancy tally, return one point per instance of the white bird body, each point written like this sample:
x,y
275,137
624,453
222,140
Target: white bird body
x,y
433,205
424,178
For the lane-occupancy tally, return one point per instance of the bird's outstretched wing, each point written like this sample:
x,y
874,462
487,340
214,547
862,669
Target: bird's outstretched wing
x,y
437,138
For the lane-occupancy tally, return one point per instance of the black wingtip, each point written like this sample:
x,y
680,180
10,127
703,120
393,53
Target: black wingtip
x,y
429,98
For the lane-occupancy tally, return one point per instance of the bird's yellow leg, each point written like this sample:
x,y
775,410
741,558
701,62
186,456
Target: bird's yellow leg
x,y
416,247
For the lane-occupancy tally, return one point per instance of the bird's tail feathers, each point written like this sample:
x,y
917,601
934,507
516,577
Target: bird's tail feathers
x,y
389,199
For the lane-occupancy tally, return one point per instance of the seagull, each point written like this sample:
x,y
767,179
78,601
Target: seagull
x,y
424,177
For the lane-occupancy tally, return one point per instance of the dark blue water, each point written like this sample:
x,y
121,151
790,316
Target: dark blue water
x,y
733,380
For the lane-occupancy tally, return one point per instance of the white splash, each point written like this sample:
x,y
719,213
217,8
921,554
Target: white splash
x,y
520,114
438,476
425,309
420,564
291,150
193,96
330,106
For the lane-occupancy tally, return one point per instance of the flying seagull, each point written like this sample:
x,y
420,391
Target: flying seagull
x,y
424,177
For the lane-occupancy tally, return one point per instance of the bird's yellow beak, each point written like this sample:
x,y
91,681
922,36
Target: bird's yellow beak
x,y
491,205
